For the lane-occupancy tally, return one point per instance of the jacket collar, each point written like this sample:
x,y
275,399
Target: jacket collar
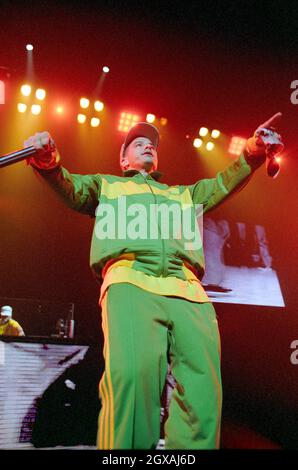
x,y
156,175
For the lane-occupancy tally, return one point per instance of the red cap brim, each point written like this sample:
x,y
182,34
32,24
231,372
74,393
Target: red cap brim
x,y
142,129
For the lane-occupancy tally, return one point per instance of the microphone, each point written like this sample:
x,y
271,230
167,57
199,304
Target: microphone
x,y
272,166
274,145
18,156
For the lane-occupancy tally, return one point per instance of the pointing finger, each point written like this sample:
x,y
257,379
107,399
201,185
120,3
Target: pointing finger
x,y
271,121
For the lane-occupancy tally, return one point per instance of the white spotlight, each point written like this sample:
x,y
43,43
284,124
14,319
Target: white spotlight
x,y
203,131
35,109
98,106
22,107
197,143
215,134
40,94
26,90
210,146
29,47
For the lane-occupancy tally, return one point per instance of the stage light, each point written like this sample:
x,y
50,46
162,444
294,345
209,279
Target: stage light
x,y
163,121
215,134
203,131
209,146
59,109
29,47
127,120
105,69
35,109
84,103
197,143
150,118
98,106
40,94
26,90
237,145
278,159
95,122
22,107
81,118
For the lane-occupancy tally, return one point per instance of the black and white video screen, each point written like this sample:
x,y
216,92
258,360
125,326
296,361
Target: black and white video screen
x,y
48,395
239,266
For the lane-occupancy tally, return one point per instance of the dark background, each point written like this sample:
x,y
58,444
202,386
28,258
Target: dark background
x,y
226,65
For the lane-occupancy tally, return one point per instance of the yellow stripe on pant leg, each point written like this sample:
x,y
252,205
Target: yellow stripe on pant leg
x,y
103,394
109,418
107,424
104,429
104,398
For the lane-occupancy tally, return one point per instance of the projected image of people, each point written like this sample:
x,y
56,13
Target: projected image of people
x,y
239,266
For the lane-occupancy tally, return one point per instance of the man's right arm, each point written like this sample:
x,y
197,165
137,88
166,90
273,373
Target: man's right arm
x,y
79,192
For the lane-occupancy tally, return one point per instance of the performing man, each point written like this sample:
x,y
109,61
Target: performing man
x,y
154,308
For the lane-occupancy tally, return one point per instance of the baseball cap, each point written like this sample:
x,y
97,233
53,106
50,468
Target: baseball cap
x,y
6,310
142,129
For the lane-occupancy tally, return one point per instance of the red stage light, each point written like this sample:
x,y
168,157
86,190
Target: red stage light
x,y
127,120
237,145
59,109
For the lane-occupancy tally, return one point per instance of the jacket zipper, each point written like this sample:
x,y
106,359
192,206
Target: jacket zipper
x,y
163,268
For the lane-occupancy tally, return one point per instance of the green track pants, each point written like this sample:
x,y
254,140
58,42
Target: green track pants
x,y
140,330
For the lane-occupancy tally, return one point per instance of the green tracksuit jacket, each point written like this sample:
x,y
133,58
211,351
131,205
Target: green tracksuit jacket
x,y
123,249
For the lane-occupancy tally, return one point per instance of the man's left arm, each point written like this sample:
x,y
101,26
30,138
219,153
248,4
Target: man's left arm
x,y
20,331
213,191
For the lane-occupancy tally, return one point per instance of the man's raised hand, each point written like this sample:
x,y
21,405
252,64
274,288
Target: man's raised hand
x,y
47,156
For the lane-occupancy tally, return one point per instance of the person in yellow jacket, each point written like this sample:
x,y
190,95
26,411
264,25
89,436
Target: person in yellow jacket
x,y
8,326
147,255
